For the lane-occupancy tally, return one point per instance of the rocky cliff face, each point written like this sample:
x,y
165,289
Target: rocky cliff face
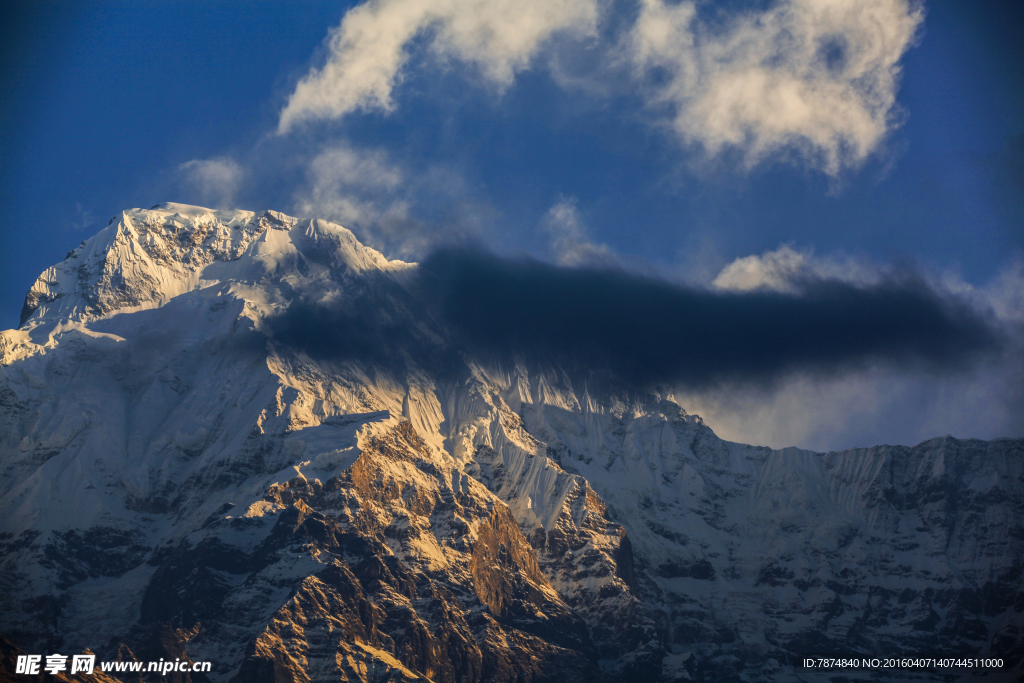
x,y
181,477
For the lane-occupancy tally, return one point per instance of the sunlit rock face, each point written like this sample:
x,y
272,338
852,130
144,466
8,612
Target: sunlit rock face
x,y
191,468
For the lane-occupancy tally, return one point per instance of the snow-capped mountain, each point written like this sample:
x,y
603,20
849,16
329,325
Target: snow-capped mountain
x,y
189,467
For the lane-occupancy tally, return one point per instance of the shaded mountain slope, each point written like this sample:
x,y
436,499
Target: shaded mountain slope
x,y
246,438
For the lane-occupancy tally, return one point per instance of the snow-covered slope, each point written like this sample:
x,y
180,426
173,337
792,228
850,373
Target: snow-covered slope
x,y
178,477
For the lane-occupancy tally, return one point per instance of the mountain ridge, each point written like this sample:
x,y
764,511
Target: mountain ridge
x,y
458,519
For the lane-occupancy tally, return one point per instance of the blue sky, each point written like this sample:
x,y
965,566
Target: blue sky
x,y
573,137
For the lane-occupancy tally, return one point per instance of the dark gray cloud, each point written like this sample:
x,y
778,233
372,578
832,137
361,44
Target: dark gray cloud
x,y
648,330
377,323
333,333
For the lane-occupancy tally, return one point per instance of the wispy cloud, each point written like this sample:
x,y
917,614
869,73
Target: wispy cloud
x,y
875,402
790,270
785,268
1005,293
879,404
400,211
84,217
811,78
214,182
570,244
367,52
352,186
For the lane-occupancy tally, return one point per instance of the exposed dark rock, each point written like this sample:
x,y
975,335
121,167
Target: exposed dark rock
x,y
295,472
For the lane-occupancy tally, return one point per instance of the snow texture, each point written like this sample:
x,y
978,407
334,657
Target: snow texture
x,y
173,476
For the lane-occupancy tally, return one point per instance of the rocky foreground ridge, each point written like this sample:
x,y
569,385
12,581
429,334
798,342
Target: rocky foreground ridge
x,y
182,475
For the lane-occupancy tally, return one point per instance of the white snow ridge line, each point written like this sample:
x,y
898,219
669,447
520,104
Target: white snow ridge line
x,y
180,483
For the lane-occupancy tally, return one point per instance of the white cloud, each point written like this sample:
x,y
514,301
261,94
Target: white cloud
x,y
368,51
866,408
782,270
400,212
215,182
85,217
817,78
810,79
570,244
1005,293
772,270
872,405
353,187
787,270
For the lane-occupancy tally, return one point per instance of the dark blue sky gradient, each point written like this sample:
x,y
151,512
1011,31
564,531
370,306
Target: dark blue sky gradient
x,y
102,101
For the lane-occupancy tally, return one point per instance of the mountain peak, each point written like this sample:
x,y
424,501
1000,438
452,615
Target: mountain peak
x,y
191,461
146,257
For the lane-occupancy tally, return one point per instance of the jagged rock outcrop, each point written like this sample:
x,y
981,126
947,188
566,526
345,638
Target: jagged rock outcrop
x,y
197,462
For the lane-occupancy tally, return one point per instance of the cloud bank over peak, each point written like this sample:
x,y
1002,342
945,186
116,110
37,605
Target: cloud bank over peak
x,y
648,330
811,77
367,52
